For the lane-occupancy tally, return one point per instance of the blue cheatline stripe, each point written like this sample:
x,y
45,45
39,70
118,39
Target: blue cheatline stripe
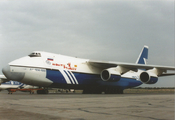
x,y
87,79
21,85
72,77
12,83
68,77
56,76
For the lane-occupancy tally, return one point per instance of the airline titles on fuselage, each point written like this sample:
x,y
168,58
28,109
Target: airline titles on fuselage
x,y
68,66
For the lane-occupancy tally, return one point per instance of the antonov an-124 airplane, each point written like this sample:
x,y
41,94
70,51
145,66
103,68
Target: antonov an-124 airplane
x,y
93,77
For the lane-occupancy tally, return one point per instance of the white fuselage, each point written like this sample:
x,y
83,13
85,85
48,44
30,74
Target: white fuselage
x,y
54,70
58,71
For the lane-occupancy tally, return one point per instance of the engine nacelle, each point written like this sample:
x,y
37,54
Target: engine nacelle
x,y
147,78
111,75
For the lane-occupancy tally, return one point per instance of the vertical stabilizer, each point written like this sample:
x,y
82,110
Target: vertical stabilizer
x,y
143,56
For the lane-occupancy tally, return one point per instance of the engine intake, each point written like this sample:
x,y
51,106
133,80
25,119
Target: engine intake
x,y
146,78
110,75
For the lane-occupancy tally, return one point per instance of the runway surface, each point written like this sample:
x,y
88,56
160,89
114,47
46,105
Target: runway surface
x,y
23,106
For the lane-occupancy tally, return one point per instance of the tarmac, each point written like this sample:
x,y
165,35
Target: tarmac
x,y
76,106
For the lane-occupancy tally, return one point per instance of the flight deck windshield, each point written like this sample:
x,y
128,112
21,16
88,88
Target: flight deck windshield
x,y
35,54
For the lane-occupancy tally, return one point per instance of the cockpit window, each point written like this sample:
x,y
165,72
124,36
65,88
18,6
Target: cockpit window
x,y
35,54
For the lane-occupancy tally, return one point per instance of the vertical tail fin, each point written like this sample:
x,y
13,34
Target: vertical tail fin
x,y
143,56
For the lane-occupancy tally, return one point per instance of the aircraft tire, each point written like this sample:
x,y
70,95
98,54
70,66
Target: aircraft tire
x,y
87,91
92,91
120,91
113,91
45,91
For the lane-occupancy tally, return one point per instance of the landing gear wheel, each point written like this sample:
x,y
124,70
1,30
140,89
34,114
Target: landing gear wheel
x,y
113,91
92,91
45,91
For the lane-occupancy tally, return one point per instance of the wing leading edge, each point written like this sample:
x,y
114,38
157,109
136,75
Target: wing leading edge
x,y
130,66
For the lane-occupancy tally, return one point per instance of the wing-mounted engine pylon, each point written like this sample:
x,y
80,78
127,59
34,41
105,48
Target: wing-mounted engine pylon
x,y
113,74
122,69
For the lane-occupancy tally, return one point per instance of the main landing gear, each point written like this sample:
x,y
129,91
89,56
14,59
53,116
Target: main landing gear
x,y
92,91
106,91
113,91
44,91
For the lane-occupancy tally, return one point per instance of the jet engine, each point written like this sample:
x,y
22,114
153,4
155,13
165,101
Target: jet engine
x,y
110,74
148,78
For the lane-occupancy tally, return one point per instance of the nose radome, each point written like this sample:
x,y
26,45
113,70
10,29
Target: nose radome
x,y
18,76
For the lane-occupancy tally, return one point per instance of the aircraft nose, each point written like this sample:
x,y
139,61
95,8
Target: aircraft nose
x,y
11,75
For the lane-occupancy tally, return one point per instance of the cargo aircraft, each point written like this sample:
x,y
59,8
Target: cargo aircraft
x,y
13,86
93,77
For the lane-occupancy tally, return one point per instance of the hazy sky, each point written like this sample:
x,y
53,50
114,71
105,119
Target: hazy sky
x,y
110,30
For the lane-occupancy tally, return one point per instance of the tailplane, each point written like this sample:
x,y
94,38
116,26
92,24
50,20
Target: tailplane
x,y
143,56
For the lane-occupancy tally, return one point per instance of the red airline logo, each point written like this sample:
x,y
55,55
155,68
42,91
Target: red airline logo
x,y
68,66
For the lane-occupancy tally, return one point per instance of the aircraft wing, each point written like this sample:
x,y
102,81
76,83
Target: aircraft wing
x,y
3,79
134,67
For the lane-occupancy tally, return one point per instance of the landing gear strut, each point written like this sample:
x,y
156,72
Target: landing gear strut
x,y
44,91
113,91
106,91
92,91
